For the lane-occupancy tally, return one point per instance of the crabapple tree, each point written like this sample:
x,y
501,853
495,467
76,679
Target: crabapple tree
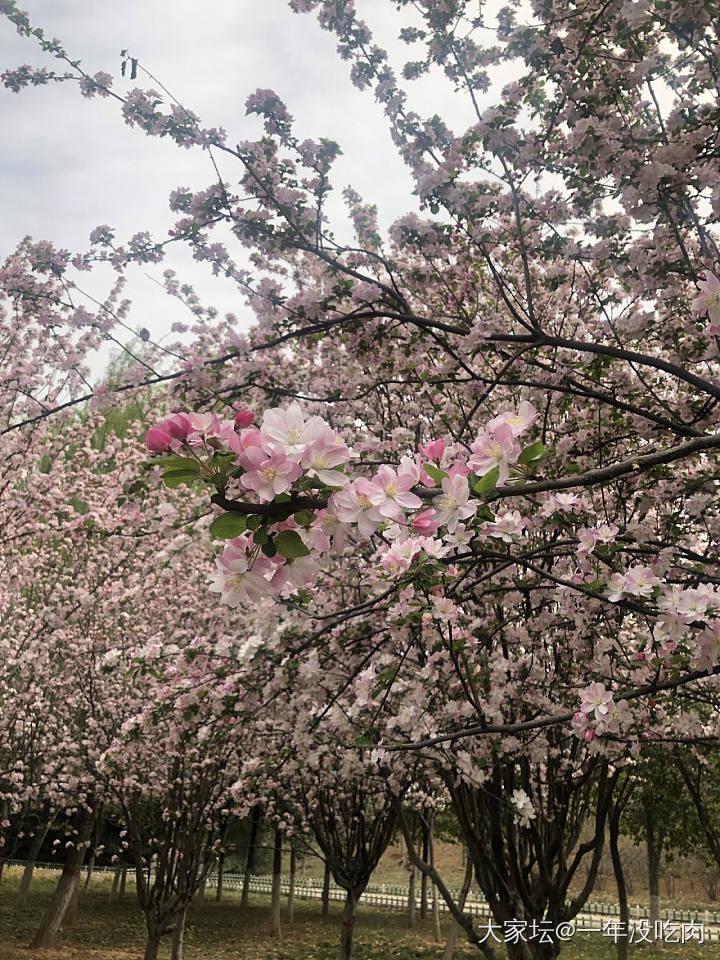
x,y
484,448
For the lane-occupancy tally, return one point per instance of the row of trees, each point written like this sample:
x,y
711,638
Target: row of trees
x,y
465,474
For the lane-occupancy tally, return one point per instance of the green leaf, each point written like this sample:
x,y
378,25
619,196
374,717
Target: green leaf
x,y
290,545
254,522
484,512
260,536
486,483
176,463
536,451
387,676
269,548
304,518
228,525
436,473
174,477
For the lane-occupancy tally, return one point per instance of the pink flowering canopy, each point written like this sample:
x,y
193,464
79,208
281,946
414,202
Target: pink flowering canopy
x,y
461,480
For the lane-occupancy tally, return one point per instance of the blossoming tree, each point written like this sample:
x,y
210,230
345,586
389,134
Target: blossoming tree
x,y
484,447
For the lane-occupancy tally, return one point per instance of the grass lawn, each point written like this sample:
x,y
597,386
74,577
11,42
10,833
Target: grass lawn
x,y
222,932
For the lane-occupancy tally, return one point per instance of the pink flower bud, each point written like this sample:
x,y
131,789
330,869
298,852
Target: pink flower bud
x,y
243,418
424,523
433,450
589,736
157,439
178,426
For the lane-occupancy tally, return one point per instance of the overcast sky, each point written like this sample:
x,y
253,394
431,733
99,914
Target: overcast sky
x,y
68,164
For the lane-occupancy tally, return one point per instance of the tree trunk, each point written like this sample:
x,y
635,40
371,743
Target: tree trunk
x,y
423,879
71,914
220,875
348,926
55,913
153,940
622,941
250,861
412,906
277,873
97,837
455,927
291,890
200,892
326,891
90,867
115,884
654,844
437,933
179,935
123,881
24,888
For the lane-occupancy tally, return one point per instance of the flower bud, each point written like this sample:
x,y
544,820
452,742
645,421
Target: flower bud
x,y
589,736
178,426
243,418
433,450
157,439
424,523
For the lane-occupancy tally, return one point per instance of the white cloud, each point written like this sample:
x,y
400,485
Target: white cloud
x,y
68,165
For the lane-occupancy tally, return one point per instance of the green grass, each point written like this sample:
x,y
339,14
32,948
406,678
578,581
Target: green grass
x,y
107,931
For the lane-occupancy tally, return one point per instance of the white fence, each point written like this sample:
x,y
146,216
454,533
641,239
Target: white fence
x,y
596,915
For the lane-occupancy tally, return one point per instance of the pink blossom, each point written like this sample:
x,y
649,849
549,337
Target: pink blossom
x,y
398,558
395,488
270,475
333,527
596,698
496,448
579,722
294,574
506,526
289,431
617,716
358,503
364,683
707,655
638,581
444,609
453,504
708,301
518,422
246,440
432,547
692,604
569,502
321,456
589,537
210,431
236,582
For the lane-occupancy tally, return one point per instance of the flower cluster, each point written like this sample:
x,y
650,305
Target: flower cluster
x,y
299,465
599,714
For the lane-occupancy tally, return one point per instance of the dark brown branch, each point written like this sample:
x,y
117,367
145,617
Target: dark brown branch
x,y
551,721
